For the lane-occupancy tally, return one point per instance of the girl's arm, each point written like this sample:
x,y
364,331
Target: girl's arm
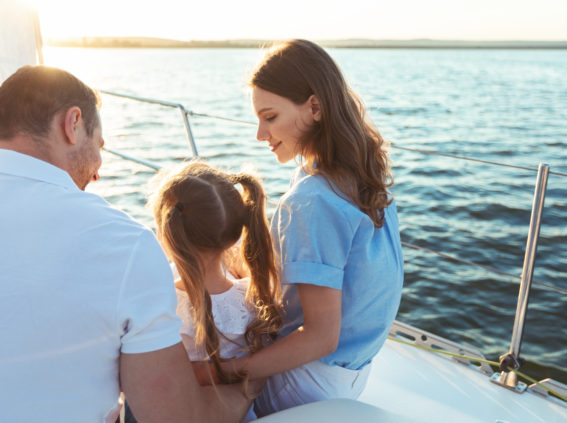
x,y
317,338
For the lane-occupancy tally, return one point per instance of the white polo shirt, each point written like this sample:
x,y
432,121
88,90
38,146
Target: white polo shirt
x,y
80,282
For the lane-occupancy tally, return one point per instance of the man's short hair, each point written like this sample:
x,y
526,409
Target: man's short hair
x,y
33,95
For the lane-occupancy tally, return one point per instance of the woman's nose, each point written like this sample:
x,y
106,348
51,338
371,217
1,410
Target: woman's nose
x,y
262,134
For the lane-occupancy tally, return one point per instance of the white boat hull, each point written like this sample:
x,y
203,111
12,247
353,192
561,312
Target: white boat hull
x,y
407,384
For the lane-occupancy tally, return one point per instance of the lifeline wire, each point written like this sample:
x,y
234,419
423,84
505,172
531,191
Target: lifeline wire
x,y
415,150
479,360
193,113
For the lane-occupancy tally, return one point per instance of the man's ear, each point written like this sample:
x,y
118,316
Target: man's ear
x,y
71,124
315,107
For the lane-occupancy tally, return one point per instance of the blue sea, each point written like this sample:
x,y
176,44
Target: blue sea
x,y
507,106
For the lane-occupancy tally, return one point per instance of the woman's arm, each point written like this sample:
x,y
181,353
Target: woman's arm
x,y
317,338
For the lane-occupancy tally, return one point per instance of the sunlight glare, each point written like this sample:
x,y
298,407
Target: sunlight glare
x,y
328,19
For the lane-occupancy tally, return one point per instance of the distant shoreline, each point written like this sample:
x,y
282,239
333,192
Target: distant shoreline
x,y
145,42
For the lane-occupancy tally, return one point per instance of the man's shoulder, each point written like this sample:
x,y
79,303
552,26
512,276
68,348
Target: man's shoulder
x,y
90,217
97,210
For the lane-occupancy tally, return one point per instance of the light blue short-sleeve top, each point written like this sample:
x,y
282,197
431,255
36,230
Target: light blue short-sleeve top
x,y
323,239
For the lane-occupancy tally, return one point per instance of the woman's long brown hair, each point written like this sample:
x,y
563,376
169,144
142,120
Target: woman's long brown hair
x,y
343,146
199,209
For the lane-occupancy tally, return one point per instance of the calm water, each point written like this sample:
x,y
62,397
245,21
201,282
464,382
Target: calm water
x,y
506,106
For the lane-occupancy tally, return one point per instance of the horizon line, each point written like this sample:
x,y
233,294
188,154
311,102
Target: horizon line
x,y
55,39
353,43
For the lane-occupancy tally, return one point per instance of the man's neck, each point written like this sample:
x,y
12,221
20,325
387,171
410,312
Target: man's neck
x,y
25,144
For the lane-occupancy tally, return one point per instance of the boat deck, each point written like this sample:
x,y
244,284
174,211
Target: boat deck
x,y
407,384
434,388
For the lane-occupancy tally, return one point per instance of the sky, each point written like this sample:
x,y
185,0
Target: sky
x,y
314,19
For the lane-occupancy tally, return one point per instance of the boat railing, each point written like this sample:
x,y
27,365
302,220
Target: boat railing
x,y
184,117
512,358
190,113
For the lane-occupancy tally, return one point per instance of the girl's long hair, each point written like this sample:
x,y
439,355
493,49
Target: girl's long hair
x,y
200,210
343,146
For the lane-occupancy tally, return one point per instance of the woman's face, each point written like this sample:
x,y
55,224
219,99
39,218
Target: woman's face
x,y
281,122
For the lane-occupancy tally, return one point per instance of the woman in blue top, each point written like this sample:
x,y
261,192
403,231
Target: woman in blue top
x,y
335,231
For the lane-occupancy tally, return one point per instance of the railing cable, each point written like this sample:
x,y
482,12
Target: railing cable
x,y
488,268
186,112
435,153
177,106
192,113
393,145
133,159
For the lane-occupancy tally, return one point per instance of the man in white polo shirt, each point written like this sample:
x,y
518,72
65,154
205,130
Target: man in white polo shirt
x,y
86,296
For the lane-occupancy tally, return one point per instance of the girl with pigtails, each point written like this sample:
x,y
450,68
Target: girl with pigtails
x,y
200,215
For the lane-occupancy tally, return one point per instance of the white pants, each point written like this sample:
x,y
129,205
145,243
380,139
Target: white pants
x,y
311,382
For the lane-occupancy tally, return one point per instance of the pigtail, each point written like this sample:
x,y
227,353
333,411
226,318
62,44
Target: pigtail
x,y
264,288
186,258
189,266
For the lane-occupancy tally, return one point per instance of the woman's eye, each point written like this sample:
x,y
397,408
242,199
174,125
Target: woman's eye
x,y
270,118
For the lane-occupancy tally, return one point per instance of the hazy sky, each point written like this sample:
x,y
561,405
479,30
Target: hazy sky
x,y
315,19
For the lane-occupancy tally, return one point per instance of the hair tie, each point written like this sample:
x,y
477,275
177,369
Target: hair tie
x,y
180,207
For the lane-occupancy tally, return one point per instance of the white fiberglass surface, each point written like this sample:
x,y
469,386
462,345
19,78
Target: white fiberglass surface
x,y
429,387
336,411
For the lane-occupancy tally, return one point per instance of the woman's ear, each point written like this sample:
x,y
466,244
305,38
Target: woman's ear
x,y
315,107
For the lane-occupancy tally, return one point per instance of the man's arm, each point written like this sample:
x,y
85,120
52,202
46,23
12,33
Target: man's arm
x,y
160,386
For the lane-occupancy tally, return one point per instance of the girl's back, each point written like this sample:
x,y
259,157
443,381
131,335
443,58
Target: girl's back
x,y
232,315
200,215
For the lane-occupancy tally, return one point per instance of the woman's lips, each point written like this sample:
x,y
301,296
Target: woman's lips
x,y
275,146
